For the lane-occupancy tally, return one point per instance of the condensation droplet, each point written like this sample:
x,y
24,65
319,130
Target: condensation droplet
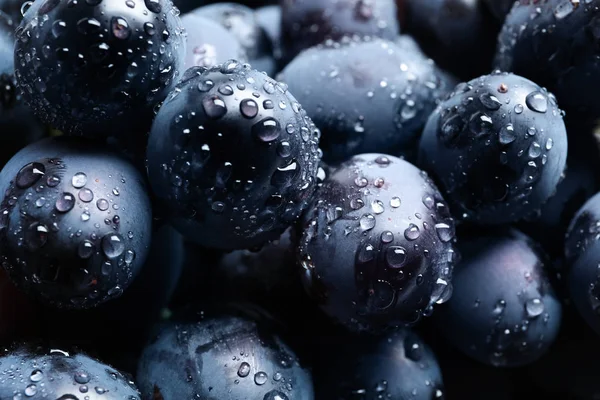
x,y
507,134
52,181
85,249
36,375
86,195
30,174
102,204
537,101
31,390
395,257
356,204
113,245
367,222
412,232
387,237
275,395
249,108
243,370
79,180
266,130
82,377
65,202
260,378
214,107
377,206
490,101
120,28
445,231
534,307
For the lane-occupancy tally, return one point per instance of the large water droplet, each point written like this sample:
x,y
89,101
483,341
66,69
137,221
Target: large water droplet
x,y
366,253
387,237
249,108
395,256
260,378
377,206
40,202
153,5
65,202
534,307
535,150
266,130
214,107
85,216
383,161
490,101
382,295
428,201
59,27
31,390
120,28
451,128
537,101
86,195
275,395
85,249
361,181
82,377
36,236
36,375
442,292
507,134
102,204
367,222
30,174
269,87
243,370
149,28
357,204
229,67
129,256
52,181
113,245
226,90
89,26
285,176
205,85
79,180
445,231
412,232
284,149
